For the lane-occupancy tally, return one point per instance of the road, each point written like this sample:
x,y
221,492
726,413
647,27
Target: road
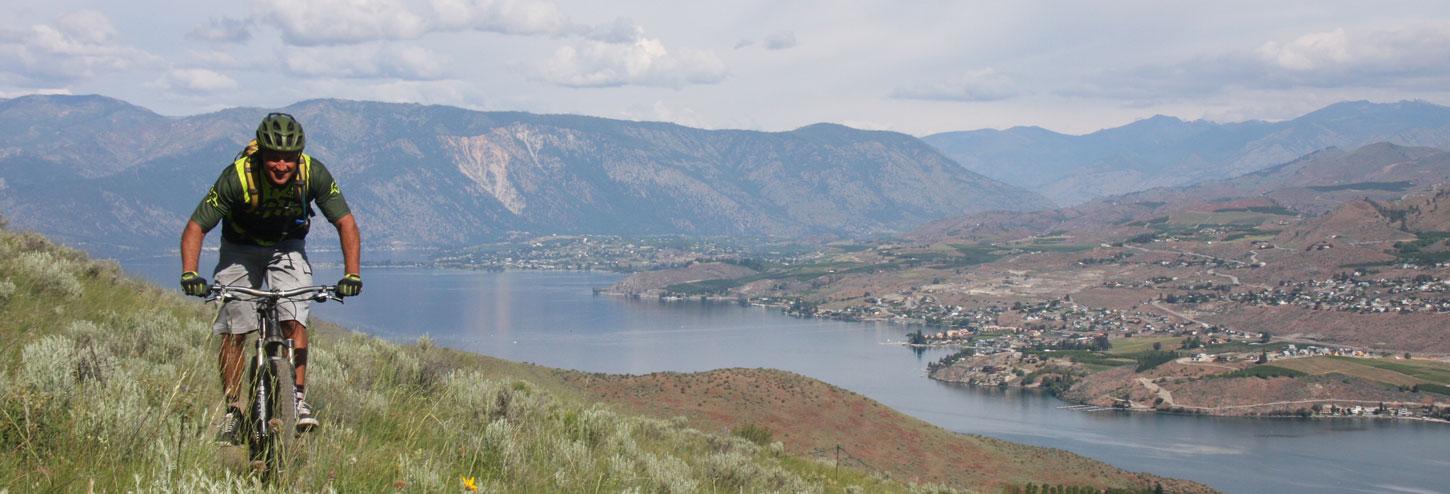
x,y
1160,306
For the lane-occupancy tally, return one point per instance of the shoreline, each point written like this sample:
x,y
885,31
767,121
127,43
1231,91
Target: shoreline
x,y
1190,413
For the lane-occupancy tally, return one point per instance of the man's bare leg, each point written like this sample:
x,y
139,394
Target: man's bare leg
x,y
230,360
297,332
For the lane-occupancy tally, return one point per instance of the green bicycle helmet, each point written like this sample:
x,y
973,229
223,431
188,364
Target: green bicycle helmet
x,y
280,132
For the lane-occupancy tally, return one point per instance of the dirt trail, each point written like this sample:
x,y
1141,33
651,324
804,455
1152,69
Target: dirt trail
x,y
1163,394
1160,306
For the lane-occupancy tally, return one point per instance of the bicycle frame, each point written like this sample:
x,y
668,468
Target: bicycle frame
x,y
271,371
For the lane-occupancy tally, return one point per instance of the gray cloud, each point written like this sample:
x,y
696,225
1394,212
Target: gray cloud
x,y
981,85
222,30
780,40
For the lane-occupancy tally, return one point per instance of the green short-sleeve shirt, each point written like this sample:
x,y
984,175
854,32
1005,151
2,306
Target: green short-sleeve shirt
x,y
283,212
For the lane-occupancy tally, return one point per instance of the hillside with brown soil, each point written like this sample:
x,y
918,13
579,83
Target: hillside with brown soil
x,y
811,418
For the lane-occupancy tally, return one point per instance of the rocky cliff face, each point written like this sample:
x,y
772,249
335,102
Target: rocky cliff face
x,y
442,176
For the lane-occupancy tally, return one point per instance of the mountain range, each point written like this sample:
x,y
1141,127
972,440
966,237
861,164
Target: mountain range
x,y
1313,184
96,171
1166,151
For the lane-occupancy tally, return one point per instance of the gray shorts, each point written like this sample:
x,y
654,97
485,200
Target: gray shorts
x,y
284,266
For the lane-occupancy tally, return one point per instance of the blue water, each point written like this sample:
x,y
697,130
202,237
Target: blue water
x,y
553,319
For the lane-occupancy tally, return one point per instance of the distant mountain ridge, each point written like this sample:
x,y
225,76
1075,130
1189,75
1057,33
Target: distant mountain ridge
x,y
91,169
1313,184
1166,151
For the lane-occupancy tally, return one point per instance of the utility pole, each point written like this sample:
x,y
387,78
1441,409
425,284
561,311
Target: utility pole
x,y
837,472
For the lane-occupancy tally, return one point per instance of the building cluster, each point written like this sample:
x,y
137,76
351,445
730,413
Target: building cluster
x,y
1352,294
601,252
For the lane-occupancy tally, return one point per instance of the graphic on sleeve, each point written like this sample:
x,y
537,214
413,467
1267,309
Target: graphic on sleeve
x,y
333,192
212,198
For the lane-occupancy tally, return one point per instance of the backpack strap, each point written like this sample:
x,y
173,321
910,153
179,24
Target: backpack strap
x,y
243,165
250,195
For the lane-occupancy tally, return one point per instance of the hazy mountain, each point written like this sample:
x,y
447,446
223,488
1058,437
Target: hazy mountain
x,y
1314,184
1166,151
91,169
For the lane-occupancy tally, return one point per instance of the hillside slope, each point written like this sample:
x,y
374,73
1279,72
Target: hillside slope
x,y
108,383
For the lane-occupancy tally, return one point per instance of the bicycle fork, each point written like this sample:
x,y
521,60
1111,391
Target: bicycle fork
x,y
270,351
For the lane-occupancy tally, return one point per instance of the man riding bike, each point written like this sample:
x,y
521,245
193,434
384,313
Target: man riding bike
x,y
264,202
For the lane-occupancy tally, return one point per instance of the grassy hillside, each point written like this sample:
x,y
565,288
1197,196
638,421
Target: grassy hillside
x,y
813,418
108,383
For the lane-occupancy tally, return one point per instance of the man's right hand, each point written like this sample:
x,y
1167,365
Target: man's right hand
x,y
193,284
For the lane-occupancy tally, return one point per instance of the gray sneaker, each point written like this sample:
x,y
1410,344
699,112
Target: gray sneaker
x,y
305,421
229,434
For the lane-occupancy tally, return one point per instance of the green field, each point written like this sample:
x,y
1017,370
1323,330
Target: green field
x,y
1429,371
1144,343
1401,373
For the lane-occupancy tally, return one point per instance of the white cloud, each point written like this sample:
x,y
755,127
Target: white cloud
x,y
645,62
1308,51
1413,57
367,62
196,81
78,45
780,41
27,92
1421,49
981,85
620,30
500,16
223,30
328,22
345,22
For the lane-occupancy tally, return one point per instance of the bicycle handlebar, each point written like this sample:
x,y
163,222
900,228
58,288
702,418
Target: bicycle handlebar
x,y
318,293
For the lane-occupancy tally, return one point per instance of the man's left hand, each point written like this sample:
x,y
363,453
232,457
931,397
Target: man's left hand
x,y
349,286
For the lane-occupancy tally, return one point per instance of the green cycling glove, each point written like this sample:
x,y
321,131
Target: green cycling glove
x,y
193,284
349,286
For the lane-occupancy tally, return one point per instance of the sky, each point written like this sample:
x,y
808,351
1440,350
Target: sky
x,y
918,67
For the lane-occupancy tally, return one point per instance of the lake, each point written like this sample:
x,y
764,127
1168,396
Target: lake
x,y
553,319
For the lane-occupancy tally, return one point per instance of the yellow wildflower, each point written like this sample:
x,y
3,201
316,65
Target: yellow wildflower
x,y
469,483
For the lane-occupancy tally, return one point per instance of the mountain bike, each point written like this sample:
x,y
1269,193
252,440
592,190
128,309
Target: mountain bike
x,y
270,421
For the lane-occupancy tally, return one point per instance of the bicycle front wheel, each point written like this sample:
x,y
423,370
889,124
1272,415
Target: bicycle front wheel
x,y
285,439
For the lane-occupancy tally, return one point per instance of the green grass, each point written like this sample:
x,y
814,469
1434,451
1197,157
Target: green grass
x,y
110,382
1143,343
1433,372
1439,389
1415,251
1151,359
